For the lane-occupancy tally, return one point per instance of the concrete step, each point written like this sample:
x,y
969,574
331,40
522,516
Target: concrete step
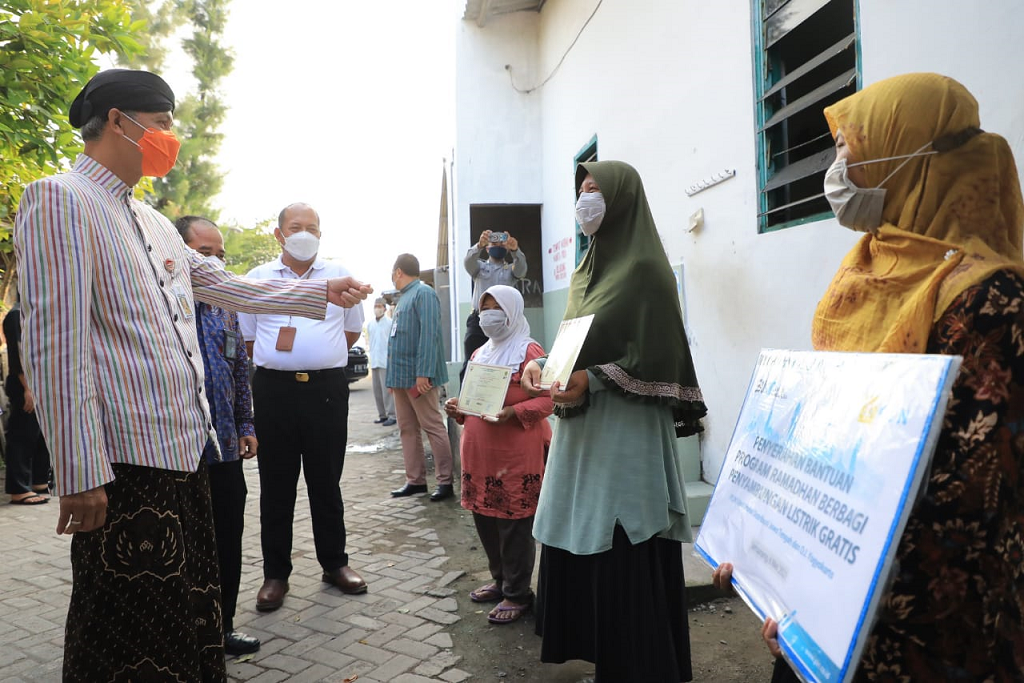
x,y
698,576
698,496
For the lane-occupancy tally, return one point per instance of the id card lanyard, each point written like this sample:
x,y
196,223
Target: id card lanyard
x,y
286,334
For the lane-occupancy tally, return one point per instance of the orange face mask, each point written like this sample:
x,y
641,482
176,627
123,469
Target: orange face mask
x,y
159,150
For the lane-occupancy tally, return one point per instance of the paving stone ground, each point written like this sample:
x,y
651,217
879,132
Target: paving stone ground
x,y
395,633
400,631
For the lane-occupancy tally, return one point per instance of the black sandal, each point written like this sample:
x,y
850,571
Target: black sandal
x,y
31,499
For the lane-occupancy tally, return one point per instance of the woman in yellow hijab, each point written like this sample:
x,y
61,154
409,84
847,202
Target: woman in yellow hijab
x,y
951,212
941,271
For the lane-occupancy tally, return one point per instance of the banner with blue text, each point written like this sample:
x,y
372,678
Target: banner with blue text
x,y
826,461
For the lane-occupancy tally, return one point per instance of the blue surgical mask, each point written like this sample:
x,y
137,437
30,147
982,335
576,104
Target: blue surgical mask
x,y
497,252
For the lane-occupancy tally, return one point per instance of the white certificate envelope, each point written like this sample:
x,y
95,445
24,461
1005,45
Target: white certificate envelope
x,y
559,364
484,389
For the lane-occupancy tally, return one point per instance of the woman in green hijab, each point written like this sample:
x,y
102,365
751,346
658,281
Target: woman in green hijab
x,y
612,510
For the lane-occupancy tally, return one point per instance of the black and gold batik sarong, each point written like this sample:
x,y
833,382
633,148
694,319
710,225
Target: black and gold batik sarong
x,y
145,605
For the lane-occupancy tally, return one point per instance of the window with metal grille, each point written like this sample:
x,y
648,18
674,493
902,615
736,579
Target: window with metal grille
x,y
587,153
806,56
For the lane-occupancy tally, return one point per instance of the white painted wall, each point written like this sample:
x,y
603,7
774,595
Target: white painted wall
x,y
667,86
497,130
982,46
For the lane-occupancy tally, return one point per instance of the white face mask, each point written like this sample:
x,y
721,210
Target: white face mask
x,y
302,246
855,207
859,208
494,323
590,210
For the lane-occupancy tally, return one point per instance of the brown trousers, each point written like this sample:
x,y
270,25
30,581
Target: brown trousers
x,y
423,413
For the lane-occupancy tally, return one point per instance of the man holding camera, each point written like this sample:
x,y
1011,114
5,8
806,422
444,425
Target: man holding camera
x,y
487,262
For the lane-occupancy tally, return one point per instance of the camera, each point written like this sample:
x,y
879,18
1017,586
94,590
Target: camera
x,y
390,297
499,237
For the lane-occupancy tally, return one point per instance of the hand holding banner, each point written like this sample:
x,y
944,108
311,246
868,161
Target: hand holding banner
x,y
824,466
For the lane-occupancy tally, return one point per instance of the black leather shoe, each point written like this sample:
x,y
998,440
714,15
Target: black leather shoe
x,y
409,490
346,579
237,643
377,422
441,492
390,422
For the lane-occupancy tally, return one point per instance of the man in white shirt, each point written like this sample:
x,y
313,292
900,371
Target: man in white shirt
x,y
300,403
378,331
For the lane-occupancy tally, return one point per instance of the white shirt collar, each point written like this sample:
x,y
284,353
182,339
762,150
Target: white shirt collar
x,y
279,265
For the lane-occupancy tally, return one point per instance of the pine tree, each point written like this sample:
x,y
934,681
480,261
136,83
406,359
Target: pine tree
x,y
194,183
160,18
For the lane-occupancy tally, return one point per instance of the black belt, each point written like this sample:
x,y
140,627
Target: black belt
x,y
302,375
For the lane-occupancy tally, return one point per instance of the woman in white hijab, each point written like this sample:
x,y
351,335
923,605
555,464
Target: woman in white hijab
x,y
503,460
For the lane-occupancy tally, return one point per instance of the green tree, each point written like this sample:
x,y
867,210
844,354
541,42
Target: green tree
x,y
194,183
161,19
47,53
247,248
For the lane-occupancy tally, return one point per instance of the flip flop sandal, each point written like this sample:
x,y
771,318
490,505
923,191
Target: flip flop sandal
x,y
488,593
34,499
513,612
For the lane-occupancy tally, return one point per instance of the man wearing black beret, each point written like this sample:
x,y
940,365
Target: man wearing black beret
x,y
110,351
139,91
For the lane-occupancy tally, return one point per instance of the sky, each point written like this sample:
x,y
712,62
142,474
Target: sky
x,y
348,106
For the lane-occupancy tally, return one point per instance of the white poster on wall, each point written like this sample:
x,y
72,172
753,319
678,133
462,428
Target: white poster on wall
x,y
823,469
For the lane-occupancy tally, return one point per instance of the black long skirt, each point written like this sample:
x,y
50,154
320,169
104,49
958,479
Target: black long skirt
x,y
145,600
782,673
624,610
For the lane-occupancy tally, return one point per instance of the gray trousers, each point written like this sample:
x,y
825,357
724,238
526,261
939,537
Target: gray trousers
x,y
510,552
385,401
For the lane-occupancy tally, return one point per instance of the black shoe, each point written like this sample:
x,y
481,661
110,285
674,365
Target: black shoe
x,y
388,422
441,492
408,490
237,643
377,422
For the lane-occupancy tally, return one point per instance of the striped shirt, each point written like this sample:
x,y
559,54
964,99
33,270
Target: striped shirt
x,y
109,339
416,348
